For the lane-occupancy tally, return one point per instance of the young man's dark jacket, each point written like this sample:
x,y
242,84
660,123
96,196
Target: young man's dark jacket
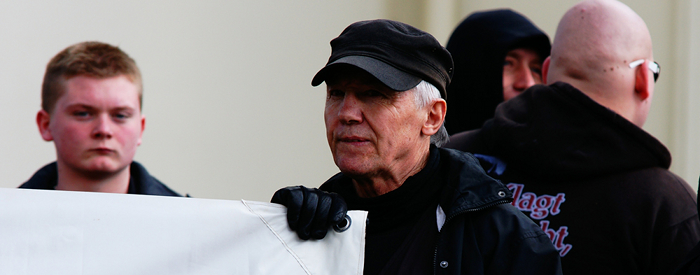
x,y
597,184
479,46
140,182
482,232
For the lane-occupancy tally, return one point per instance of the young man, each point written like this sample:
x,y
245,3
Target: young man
x,y
497,54
577,159
91,110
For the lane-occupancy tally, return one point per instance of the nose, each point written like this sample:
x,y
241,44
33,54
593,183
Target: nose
x,y
524,79
102,128
349,111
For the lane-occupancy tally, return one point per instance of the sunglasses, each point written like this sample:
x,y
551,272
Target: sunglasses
x,y
653,66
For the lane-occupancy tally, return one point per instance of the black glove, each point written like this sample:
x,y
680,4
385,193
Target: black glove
x,y
311,212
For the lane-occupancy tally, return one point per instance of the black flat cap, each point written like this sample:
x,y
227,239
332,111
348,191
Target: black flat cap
x,y
397,54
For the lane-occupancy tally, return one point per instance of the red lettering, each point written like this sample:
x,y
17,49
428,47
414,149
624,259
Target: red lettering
x,y
527,201
566,250
563,232
557,202
517,190
541,207
550,233
557,237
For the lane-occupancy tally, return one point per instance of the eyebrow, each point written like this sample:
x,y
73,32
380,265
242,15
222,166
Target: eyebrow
x,y
90,107
512,54
539,59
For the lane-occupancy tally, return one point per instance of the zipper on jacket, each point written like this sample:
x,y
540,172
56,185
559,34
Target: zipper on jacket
x,y
494,203
491,204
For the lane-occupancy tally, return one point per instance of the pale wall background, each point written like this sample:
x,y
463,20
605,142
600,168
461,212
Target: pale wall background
x,y
230,110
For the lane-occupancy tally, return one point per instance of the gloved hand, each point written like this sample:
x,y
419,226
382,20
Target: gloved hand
x,y
311,212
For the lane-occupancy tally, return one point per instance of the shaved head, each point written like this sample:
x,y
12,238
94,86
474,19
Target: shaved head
x,y
593,46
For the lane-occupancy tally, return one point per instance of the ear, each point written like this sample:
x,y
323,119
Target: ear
x,y
143,127
641,81
436,116
43,120
545,70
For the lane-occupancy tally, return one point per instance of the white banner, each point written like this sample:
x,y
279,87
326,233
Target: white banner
x,y
62,232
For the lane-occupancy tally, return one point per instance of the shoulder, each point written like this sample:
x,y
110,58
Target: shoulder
x,y
460,165
45,178
334,184
653,197
506,240
147,184
658,184
468,187
691,265
498,226
510,223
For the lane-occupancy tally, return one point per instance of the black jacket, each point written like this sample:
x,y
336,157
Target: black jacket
x,y
140,182
482,232
479,46
597,184
691,265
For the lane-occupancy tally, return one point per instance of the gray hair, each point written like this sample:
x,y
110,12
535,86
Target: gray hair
x,y
425,94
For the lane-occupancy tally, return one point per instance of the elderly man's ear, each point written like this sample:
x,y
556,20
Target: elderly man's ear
x,y
436,116
642,81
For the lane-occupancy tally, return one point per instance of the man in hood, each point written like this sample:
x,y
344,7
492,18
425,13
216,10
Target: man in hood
x,y
497,55
576,158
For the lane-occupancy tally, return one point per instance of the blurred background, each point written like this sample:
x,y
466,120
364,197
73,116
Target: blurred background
x,y
230,111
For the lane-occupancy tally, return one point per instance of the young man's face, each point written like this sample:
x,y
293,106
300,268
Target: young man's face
x,y
96,125
521,69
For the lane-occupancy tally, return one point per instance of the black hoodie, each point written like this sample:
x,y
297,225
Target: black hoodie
x,y
479,46
597,184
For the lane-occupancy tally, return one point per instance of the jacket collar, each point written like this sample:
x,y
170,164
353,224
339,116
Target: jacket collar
x,y
468,187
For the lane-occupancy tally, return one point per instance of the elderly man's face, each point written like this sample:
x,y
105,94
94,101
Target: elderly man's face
x,y
372,130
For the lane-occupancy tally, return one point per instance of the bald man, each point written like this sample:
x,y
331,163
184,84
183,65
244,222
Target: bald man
x,y
576,158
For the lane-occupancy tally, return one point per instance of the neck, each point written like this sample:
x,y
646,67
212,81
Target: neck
x,y
377,185
71,180
614,96
613,89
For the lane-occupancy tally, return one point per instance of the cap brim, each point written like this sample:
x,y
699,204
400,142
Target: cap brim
x,y
393,78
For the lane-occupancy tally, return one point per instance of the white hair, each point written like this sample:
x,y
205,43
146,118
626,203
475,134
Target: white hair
x,y
425,94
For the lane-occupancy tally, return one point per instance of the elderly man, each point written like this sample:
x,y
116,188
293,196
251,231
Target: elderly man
x,y
431,210
576,158
91,110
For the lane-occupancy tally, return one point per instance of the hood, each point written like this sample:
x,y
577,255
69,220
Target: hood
x,y
556,131
478,47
